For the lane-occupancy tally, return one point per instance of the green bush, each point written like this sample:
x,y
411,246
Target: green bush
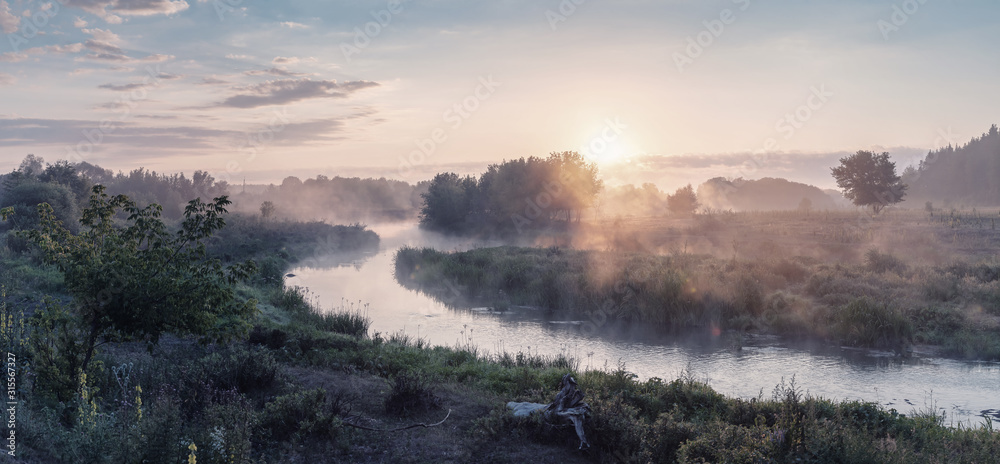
x,y
664,437
410,395
864,322
940,287
880,263
720,442
301,416
247,370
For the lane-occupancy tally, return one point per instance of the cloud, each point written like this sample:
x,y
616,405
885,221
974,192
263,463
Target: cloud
x,y
124,87
68,48
103,35
7,79
294,25
280,72
116,58
212,80
233,56
285,60
79,23
102,47
109,10
83,71
282,91
8,21
14,57
128,133
168,76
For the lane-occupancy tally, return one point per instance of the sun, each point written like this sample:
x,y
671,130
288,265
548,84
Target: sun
x,y
606,149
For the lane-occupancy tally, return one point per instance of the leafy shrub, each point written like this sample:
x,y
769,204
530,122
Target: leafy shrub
x,y
880,263
614,430
272,338
864,322
720,442
664,437
933,323
300,416
940,287
245,370
410,394
790,270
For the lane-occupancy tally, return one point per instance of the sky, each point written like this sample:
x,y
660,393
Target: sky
x,y
670,91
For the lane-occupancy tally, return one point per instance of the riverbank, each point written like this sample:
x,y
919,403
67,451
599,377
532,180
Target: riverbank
x,y
857,290
296,387
288,393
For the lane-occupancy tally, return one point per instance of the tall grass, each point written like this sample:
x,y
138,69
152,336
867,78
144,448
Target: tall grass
x,y
864,322
796,295
349,318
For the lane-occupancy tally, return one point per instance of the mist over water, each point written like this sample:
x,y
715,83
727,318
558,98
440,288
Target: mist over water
x,y
961,390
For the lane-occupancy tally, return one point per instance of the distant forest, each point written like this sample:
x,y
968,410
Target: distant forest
x,y
337,199
762,195
512,195
965,175
66,187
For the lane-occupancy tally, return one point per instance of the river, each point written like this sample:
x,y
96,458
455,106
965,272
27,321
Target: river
x,y
964,392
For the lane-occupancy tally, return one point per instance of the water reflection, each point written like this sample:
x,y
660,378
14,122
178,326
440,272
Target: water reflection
x,y
964,391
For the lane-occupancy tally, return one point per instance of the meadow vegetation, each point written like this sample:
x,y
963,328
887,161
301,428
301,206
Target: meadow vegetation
x,y
891,282
288,392
297,383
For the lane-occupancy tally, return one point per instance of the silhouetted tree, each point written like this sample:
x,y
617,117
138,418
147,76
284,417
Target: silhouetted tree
x,y
870,180
683,201
266,209
520,193
448,202
578,180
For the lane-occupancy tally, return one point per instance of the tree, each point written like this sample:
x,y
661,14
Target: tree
x,y
140,281
683,201
577,179
28,194
266,209
448,202
869,179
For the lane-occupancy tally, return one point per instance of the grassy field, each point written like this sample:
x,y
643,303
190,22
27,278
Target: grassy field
x,y
889,282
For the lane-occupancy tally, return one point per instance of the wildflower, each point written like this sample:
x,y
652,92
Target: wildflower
x,y
138,401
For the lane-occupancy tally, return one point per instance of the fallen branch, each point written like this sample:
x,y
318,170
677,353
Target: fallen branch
x,y
397,429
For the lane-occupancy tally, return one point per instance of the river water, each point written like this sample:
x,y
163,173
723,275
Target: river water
x,y
964,392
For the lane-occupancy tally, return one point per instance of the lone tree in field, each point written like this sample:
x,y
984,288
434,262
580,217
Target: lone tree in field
x,y
267,209
869,179
138,281
683,202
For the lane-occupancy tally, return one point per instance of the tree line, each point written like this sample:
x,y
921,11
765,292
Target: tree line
x,y
529,194
969,173
515,195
